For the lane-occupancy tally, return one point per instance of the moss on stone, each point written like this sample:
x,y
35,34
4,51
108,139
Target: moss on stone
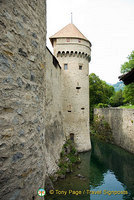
x,y
101,129
69,157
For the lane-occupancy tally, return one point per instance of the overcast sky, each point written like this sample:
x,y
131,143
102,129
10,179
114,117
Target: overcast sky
x,y
108,24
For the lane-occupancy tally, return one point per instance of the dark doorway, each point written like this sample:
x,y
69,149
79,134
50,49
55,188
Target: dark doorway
x,y
72,136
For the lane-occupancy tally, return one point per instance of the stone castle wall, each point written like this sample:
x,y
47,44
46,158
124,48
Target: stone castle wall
x,y
75,89
121,122
22,92
54,137
32,97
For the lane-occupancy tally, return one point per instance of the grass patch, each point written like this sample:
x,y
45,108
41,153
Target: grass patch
x,y
127,106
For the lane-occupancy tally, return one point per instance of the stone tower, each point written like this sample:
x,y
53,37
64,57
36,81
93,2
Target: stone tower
x,y
72,50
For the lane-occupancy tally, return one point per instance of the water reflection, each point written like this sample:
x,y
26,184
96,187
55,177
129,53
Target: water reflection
x,y
107,168
115,159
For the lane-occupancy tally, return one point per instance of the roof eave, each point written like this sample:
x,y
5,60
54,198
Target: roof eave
x,y
51,39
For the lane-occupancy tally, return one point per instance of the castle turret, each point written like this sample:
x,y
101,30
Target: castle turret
x,y
72,50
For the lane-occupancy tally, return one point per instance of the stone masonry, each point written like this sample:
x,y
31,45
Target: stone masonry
x,y
121,121
35,97
72,49
54,137
22,92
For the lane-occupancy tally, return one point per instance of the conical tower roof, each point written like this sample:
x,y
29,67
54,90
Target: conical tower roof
x,y
69,31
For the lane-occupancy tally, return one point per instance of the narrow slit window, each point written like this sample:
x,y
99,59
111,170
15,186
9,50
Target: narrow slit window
x,y
82,108
72,136
78,89
80,67
65,67
69,108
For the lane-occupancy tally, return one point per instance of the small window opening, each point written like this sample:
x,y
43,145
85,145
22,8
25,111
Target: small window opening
x,y
68,40
82,108
65,67
69,108
72,136
79,40
78,87
80,67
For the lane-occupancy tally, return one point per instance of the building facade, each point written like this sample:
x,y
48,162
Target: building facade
x,y
72,50
34,99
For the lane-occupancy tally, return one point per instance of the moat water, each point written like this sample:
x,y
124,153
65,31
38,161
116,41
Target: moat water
x,y
107,171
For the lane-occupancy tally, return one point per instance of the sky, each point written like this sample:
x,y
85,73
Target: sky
x,y
108,25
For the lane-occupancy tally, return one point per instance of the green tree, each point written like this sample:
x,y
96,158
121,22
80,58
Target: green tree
x,y
117,99
128,92
100,92
127,66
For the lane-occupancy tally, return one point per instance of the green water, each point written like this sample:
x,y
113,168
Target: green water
x,y
106,168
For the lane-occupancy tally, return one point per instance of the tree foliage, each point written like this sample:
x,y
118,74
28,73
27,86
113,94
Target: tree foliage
x,y
127,66
128,92
100,92
117,99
